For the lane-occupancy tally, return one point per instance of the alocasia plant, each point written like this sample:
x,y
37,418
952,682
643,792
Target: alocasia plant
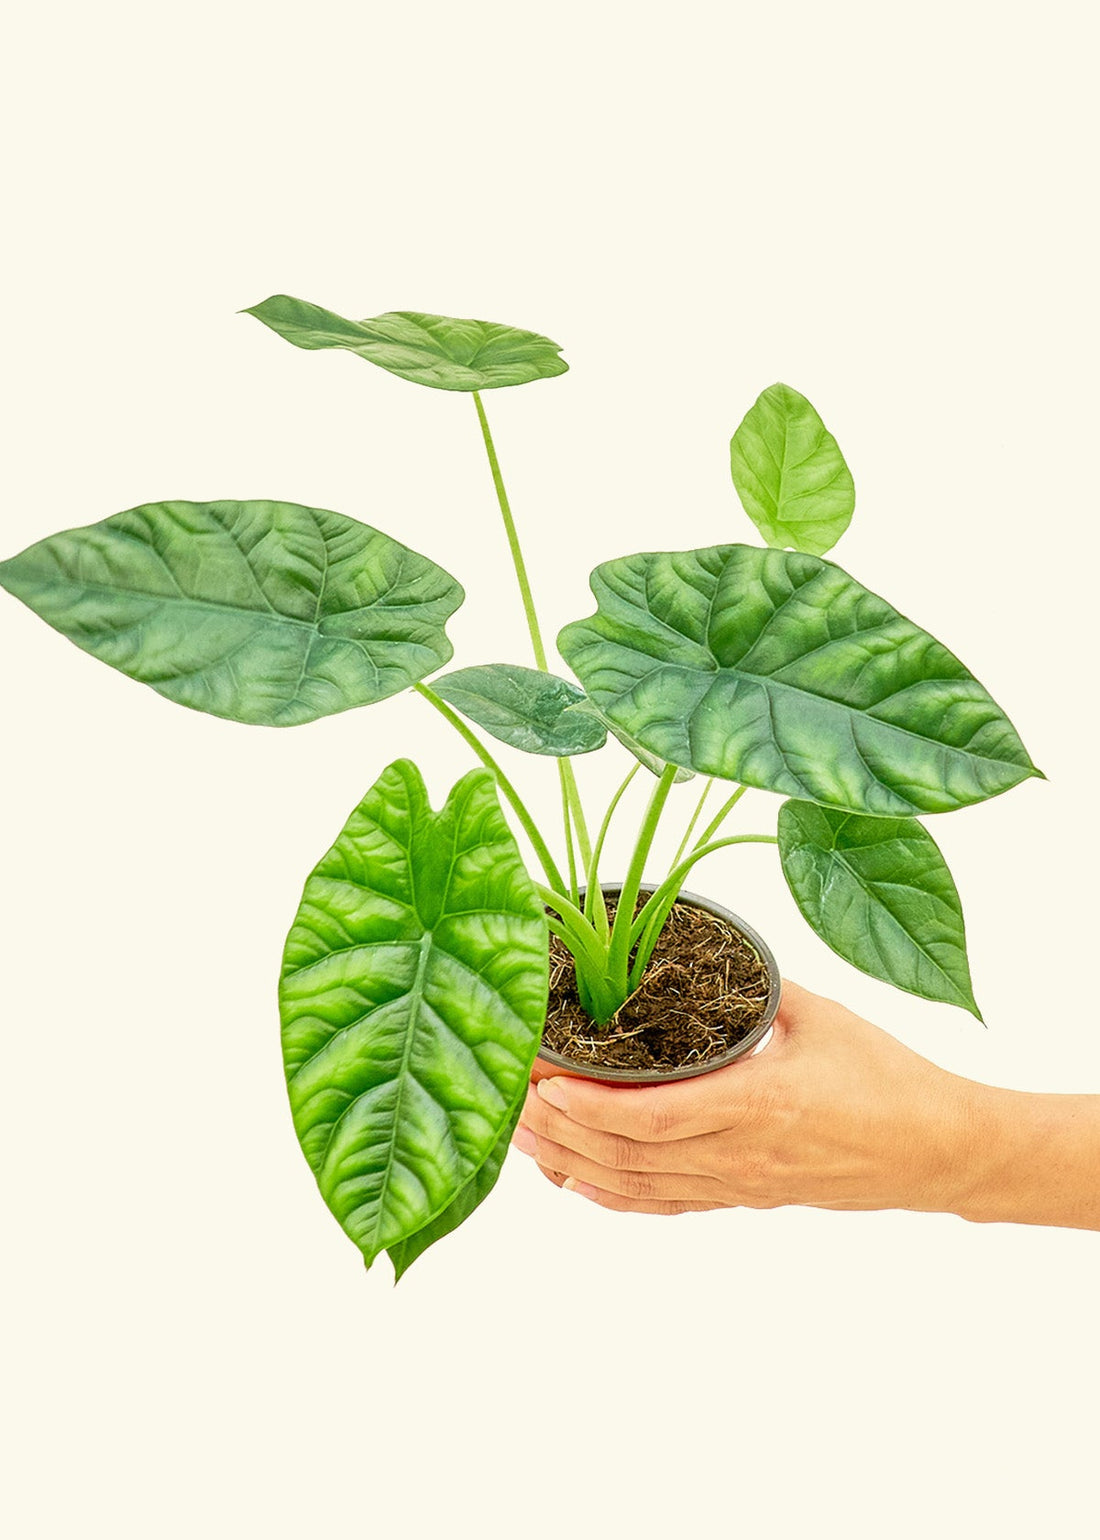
x,y
414,979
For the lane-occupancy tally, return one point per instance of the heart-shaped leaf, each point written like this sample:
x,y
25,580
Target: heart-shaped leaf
x,y
781,671
789,473
413,994
261,612
878,891
524,707
436,350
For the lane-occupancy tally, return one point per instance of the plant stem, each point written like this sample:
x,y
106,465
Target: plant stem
x,y
574,890
594,906
513,539
594,989
619,949
650,922
705,850
565,907
598,992
694,820
549,866
570,790
573,794
719,818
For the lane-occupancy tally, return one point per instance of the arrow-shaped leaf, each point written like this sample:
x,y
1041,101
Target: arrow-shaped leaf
x,y
412,997
780,671
262,612
878,891
437,350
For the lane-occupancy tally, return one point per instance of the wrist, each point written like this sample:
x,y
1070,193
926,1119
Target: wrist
x,y
958,1139
991,1168
1032,1158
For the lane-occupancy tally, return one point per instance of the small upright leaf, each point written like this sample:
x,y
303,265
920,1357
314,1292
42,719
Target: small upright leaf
x,y
524,707
436,350
780,671
412,998
262,612
878,891
789,473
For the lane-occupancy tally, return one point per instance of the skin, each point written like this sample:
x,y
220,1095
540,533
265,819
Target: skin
x,y
833,1113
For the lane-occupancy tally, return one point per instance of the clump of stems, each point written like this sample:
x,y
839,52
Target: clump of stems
x,y
610,953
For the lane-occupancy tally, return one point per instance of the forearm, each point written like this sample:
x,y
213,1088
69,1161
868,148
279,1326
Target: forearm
x,y
1034,1159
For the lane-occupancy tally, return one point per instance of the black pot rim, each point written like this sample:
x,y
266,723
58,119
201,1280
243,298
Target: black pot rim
x,y
612,1076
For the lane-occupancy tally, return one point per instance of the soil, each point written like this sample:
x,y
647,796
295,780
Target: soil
x,y
704,990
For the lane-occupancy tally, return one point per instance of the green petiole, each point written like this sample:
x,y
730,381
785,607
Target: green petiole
x,y
571,797
530,828
619,946
648,925
691,825
594,906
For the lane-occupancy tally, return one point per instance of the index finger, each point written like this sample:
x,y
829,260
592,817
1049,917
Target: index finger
x,y
656,1114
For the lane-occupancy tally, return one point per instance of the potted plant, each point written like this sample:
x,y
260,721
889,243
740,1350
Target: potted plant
x,y
417,971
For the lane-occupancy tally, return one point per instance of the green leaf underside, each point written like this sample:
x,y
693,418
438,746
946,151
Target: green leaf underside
x,y
778,670
437,350
412,998
524,707
651,762
789,473
262,612
878,892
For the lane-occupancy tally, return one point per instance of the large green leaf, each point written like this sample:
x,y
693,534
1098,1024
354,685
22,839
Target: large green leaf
x,y
789,473
261,612
436,350
412,996
878,891
780,671
524,707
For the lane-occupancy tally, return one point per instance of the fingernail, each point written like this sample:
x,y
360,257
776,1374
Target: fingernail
x,y
524,1140
581,1189
552,1091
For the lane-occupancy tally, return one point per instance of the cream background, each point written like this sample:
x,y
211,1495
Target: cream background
x,y
890,208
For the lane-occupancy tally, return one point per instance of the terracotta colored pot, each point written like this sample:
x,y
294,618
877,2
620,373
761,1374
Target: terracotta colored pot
x,y
550,1063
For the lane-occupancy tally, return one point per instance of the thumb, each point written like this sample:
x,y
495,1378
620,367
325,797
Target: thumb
x,y
795,1007
802,1015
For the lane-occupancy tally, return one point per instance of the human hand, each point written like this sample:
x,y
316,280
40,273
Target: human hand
x,y
832,1113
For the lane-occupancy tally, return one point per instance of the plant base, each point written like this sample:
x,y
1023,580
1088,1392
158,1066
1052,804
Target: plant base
x,y
709,995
